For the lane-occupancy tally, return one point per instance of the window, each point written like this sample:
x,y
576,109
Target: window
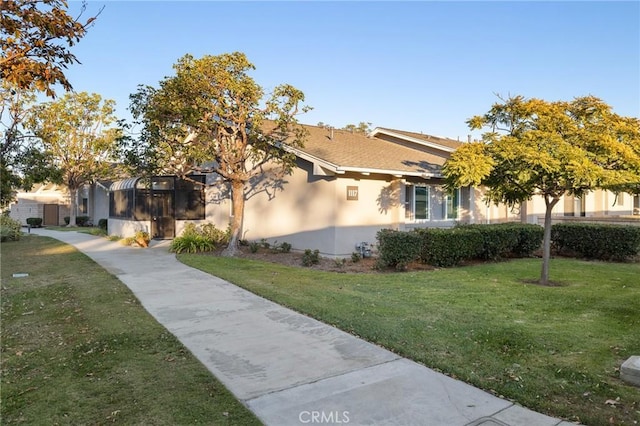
x,y
417,202
190,198
452,205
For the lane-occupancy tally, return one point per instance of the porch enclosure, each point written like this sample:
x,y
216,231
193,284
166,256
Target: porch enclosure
x,y
154,204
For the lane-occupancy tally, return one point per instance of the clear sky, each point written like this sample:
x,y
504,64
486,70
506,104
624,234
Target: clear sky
x,y
415,66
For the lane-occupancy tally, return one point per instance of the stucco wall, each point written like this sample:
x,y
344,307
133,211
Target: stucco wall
x,y
313,212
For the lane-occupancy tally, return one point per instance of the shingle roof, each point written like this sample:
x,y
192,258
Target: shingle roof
x,y
450,143
347,150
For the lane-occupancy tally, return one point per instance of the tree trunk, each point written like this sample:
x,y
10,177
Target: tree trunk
x,y
237,195
546,242
73,205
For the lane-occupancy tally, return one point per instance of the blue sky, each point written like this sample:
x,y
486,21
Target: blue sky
x,y
416,66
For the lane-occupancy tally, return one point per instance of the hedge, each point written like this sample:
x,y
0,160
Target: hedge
x,y
34,222
397,249
80,220
450,247
597,241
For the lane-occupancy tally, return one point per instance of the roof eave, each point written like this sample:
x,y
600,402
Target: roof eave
x,y
412,139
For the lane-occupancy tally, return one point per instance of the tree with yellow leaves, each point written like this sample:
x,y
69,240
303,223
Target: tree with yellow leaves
x,y
539,148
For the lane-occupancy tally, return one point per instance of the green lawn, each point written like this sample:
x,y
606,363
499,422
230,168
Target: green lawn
x,y
78,348
556,350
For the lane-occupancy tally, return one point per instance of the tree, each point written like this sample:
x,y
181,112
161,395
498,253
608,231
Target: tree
x,y
22,161
212,116
549,149
79,138
362,127
36,37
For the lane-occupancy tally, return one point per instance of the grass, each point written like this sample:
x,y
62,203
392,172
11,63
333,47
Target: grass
x,y
556,350
78,348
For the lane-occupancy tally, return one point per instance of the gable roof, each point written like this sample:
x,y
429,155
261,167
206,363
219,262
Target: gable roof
x,y
334,151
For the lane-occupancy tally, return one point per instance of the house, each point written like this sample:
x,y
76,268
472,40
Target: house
x,y
346,186
51,202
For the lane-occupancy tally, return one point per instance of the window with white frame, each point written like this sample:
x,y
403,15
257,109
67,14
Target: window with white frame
x,y
452,205
417,202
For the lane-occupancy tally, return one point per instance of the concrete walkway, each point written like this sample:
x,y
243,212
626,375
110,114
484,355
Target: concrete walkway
x,y
287,368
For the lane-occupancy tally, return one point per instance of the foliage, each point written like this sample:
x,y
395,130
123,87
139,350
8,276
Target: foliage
x,y
597,241
356,257
80,220
448,247
362,127
211,112
78,134
36,38
556,350
397,249
196,239
78,348
102,224
10,230
23,160
34,222
254,246
310,258
548,149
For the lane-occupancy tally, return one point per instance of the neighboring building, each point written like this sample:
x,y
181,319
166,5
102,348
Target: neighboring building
x,y
51,203
345,188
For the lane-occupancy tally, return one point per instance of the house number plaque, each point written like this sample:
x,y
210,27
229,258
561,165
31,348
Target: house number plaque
x,y
352,193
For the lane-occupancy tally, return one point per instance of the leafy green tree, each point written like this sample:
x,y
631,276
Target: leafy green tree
x,y
212,116
79,136
548,149
22,160
36,36
362,127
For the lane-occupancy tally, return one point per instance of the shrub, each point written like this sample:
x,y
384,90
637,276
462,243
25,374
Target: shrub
x,y
448,247
80,220
34,222
218,236
310,258
397,249
356,257
597,241
102,224
283,247
10,230
196,239
529,238
254,246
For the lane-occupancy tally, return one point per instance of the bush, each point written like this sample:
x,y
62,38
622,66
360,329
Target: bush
x,y
356,257
254,246
10,230
597,241
196,239
102,224
310,258
448,247
529,238
34,222
397,249
80,220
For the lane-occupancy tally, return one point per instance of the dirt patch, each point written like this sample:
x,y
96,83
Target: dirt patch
x,y
347,265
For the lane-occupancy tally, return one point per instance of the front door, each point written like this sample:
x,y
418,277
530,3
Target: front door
x,y
162,216
50,215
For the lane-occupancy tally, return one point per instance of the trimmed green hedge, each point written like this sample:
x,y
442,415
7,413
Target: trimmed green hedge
x,y
397,249
80,220
450,247
597,241
34,222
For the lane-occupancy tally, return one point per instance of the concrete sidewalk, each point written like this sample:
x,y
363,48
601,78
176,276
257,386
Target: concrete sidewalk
x,y
287,368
